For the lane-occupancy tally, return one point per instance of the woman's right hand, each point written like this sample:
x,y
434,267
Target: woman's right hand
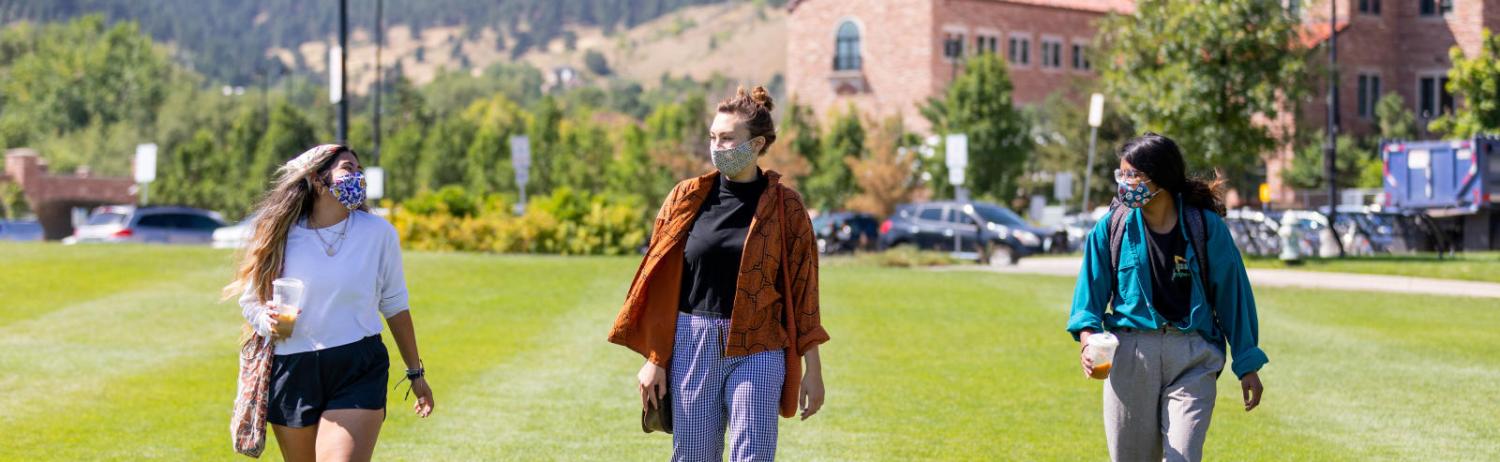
x,y
1083,353
653,384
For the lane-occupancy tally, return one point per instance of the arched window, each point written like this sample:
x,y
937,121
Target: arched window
x,y
846,48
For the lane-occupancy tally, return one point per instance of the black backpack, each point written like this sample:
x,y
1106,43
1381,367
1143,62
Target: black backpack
x,y
1197,232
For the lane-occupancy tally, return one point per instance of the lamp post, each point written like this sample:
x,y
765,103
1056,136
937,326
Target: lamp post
x,y
1096,118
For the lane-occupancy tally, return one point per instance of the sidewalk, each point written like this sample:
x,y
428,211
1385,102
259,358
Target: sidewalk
x,y
1282,278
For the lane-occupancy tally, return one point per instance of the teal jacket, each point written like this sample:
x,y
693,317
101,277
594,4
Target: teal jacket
x,y
1131,290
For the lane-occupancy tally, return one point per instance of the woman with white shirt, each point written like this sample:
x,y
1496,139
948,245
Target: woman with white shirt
x,y
329,375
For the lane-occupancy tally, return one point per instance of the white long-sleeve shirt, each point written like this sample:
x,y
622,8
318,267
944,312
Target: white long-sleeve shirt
x,y
345,295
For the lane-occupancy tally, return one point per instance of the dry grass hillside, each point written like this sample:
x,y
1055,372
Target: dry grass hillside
x,y
742,41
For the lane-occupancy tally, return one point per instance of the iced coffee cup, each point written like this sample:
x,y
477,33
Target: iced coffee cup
x,y
286,294
1101,349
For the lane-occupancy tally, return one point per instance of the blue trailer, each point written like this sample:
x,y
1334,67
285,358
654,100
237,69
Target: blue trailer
x,y
1454,182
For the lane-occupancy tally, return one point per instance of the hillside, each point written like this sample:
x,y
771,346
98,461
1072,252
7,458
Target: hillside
x,y
229,40
743,41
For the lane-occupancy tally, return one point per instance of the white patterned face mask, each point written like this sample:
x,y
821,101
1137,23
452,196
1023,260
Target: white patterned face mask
x,y
734,160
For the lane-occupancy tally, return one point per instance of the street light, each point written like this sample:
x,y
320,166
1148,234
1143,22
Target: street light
x,y
1096,118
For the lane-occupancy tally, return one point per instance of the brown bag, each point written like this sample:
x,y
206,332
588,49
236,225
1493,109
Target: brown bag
x,y
247,427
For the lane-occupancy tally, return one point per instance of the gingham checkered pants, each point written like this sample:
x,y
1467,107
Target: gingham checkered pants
x,y
712,393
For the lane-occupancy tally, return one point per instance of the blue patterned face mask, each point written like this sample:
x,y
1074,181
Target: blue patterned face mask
x,y
349,190
1136,196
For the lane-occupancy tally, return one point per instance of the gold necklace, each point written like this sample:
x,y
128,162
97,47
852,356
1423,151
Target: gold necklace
x,y
338,240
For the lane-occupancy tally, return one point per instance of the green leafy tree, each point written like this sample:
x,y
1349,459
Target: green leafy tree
x,y
1358,164
1475,81
1060,127
1394,118
978,104
831,185
1200,72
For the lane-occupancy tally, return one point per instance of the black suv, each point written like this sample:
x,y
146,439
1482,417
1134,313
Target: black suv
x,y
841,232
986,232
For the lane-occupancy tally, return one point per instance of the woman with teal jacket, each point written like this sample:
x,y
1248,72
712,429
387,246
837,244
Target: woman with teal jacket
x,y
1143,280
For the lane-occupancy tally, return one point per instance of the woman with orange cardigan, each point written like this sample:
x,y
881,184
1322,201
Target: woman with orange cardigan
x,y
726,301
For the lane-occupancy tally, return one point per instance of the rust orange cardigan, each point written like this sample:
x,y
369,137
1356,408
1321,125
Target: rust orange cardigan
x,y
771,311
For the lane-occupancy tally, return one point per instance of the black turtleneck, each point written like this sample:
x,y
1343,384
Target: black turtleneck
x,y
714,246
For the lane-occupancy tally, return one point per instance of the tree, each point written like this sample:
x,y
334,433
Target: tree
x,y
1475,81
1060,127
797,144
1201,72
288,135
487,166
1358,164
596,63
978,104
1394,118
887,176
830,184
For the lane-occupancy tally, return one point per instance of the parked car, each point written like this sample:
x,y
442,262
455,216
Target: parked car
x,y
20,230
841,232
985,232
236,235
165,225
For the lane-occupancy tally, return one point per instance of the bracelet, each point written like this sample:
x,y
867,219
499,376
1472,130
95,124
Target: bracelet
x,y
419,372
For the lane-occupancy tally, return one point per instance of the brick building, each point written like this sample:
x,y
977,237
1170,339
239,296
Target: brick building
x,y
1386,46
52,197
888,57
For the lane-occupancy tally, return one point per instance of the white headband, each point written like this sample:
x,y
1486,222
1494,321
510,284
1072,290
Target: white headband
x,y
302,161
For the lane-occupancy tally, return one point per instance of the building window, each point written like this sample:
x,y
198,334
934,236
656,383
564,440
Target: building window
x,y
985,44
1020,51
846,48
1433,99
1367,94
1052,54
1081,58
1435,7
1370,6
953,45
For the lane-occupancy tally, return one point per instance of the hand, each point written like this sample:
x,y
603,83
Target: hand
x,y
652,384
424,404
1252,389
811,395
1083,353
274,317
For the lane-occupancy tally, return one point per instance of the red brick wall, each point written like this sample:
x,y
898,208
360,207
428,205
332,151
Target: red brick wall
x,y
1399,45
1033,83
902,49
895,47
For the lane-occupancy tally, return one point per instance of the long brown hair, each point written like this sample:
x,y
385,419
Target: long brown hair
x,y
290,199
754,110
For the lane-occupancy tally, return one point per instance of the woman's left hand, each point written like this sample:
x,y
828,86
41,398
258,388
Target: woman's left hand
x,y
424,397
812,394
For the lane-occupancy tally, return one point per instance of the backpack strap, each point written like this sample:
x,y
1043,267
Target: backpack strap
x,y
1197,229
1118,213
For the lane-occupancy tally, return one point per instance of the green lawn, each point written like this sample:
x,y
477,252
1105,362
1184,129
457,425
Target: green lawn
x,y
124,353
1469,266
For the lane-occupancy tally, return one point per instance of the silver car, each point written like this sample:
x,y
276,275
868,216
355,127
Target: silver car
x,y
163,225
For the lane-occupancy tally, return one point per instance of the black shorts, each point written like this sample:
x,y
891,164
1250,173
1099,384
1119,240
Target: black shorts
x,y
352,376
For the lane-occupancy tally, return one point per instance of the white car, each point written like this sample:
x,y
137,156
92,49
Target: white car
x,y
160,225
235,236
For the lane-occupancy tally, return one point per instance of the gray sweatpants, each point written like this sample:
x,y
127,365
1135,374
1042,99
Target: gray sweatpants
x,y
1159,396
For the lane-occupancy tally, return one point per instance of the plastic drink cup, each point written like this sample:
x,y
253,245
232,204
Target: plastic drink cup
x,y
1102,352
287,294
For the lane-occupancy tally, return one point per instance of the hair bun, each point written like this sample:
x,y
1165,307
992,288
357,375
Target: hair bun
x,y
762,98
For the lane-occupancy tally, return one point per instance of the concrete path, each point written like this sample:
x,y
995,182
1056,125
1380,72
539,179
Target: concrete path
x,y
1283,278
